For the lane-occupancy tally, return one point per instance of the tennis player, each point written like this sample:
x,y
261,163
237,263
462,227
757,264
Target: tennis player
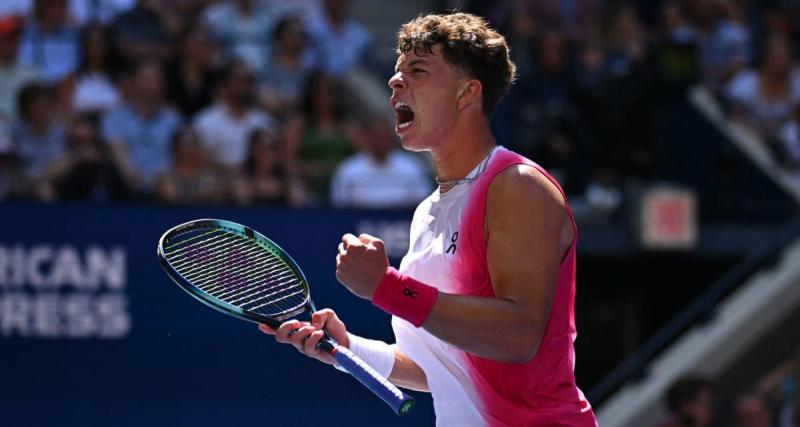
x,y
482,304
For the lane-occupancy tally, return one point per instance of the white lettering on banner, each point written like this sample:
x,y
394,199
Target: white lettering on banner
x,y
36,257
54,292
42,266
52,315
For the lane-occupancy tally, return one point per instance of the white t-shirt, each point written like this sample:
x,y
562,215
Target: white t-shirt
x,y
744,90
94,92
361,182
225,136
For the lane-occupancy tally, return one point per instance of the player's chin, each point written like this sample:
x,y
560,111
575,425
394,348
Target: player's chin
x,y
411,142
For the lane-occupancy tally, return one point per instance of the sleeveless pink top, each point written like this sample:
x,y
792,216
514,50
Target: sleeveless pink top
x,y
448,250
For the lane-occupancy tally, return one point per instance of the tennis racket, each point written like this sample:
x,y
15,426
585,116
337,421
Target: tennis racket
x,y
239,272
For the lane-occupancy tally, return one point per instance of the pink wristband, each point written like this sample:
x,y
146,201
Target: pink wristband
x,y
404,297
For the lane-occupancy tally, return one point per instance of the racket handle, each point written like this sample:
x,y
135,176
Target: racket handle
x,y
388,392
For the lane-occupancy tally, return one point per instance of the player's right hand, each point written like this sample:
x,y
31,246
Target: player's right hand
x,y
304,336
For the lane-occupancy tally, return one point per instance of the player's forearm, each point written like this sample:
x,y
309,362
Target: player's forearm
x,y
503,328
493,328
406,373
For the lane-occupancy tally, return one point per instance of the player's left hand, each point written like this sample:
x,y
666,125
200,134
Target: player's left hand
x,y
361,264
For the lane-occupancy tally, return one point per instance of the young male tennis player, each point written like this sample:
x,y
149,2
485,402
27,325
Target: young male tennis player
x,y
482,304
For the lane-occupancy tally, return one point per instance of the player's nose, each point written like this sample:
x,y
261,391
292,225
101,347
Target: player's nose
x,y
397,82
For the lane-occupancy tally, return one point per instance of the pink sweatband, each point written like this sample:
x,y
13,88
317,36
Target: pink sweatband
x,y
404,297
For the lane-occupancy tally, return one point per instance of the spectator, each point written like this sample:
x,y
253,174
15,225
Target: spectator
x,y
38,134
225,125
91,89
788,144
15,7
49,42
283,77
727,49
540,99
13,183
142,33
778,389
140,130
675,26
264,179
13,75
243,28
627,41
751,411
379,176
689,400
190,74
309,11
193,179
765,98
318,137
97,12
343,43
86,171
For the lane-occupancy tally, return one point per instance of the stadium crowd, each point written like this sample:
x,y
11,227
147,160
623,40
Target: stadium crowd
x,y
242,101
692,400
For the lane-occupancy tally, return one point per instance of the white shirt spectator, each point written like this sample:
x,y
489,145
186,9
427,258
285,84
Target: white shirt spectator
x,y
361,182
226,136
94,92
16,7
744,91
102,11
244,36
340,50
54,54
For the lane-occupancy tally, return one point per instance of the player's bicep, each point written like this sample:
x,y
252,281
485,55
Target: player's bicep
x,y
525,217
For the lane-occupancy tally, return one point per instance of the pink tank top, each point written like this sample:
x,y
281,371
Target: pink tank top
x,y
448,250
541,392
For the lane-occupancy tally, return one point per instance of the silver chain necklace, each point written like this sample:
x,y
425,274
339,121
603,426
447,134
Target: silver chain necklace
x,y
449,183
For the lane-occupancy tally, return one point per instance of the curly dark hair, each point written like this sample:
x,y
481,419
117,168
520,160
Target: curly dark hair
x,y
469,44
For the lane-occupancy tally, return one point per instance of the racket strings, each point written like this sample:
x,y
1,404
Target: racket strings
x,y
199,253
237,270
221,261
272,281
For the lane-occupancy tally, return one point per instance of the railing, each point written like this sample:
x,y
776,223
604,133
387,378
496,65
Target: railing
x,y
700,310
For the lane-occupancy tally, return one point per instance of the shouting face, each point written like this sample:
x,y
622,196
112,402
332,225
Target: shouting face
x,y
425,98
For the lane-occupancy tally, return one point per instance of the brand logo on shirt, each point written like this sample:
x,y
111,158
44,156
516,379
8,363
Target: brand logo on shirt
x,y
452,247
409,293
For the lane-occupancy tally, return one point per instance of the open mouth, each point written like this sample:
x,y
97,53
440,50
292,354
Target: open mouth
x,y
404,115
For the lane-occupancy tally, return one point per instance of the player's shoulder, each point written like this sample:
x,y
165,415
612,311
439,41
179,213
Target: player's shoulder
x,y
523,184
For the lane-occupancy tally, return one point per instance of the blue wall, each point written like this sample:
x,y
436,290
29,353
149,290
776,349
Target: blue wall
x,y
92,332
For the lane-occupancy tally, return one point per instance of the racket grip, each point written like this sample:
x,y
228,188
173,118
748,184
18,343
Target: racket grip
x,y
388,392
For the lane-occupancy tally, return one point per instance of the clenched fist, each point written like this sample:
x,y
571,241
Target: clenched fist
x,y
361,264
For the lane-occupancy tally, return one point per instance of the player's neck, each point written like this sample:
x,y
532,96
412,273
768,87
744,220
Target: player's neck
x,y
463,151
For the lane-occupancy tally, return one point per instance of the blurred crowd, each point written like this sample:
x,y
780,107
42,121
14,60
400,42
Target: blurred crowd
x,y
774,401
192,102
244,101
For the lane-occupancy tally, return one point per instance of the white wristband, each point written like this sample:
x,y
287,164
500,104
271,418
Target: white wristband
x,y
377,354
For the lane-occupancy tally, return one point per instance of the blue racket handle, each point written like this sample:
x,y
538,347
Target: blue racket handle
x,y
393,396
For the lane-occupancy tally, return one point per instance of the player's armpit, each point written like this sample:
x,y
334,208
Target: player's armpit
x,y
406,373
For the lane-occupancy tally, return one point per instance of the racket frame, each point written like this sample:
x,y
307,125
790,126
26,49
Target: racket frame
x,y
400,402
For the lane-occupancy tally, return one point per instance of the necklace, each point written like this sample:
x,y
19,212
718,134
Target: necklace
x,y
449,183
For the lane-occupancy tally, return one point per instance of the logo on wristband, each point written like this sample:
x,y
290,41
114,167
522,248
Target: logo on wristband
x,y
409,293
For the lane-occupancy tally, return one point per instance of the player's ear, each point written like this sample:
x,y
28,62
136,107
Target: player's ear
x,y
471,91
